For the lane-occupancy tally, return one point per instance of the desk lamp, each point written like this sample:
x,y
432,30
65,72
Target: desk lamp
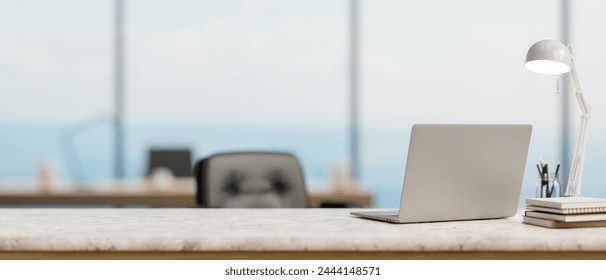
x,y
553,57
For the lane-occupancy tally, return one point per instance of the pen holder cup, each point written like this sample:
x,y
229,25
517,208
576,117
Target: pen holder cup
x,y
549,186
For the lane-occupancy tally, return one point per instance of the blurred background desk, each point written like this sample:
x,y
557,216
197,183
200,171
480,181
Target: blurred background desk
x,y
180,193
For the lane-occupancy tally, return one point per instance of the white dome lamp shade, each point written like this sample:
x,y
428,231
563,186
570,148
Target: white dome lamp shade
x,y
548,57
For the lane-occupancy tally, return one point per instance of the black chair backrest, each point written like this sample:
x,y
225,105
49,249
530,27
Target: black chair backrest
x,y
250,180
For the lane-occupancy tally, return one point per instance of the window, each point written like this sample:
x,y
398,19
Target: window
x,y
451,62
55,77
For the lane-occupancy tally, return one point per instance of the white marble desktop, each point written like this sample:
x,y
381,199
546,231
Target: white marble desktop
x,y
258,230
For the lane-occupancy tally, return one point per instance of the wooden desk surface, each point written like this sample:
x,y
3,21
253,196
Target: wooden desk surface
x,y
179,195
277,233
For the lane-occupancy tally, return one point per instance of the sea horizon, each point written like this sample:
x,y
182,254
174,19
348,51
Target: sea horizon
x,y
26,147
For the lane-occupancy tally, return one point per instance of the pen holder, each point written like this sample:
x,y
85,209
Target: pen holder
x,y
549,186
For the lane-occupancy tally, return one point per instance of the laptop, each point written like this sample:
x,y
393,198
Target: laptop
x,y
461,172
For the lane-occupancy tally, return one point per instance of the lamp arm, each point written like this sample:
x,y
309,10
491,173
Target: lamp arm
x,y
585,108
573,188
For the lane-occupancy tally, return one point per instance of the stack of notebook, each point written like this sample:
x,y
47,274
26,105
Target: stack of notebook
x,y
566,212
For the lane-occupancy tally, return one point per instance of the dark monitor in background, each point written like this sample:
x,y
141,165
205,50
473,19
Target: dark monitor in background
x,y
178,161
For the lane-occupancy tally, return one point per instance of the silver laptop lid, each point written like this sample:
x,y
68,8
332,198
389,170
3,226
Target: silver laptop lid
x,y
461,172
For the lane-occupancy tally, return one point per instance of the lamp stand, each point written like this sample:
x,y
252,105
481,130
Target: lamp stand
x,y
573,188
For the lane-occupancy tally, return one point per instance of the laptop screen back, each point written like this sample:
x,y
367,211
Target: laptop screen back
x,y
461,172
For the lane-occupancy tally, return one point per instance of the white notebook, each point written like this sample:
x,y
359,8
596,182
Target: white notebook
x,y
557,224
582,210
574,202
567,218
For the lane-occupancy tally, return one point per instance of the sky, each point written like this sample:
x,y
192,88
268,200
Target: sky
x,y
286,62
276,62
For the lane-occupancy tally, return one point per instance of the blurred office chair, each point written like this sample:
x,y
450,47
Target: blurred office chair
x,y
250,180
177,161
